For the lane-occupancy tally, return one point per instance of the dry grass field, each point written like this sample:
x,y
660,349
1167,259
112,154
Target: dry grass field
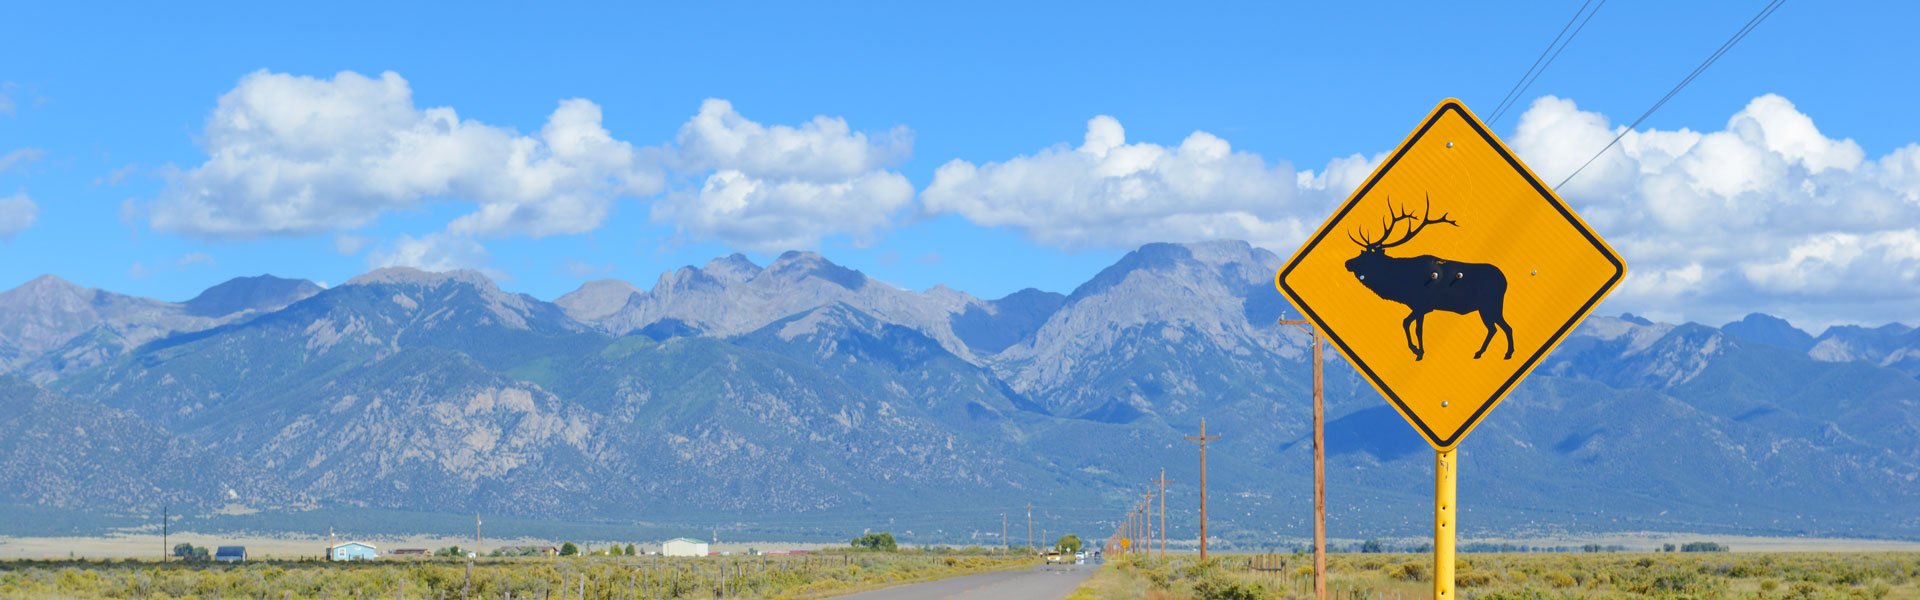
x,y
1704,575
813,575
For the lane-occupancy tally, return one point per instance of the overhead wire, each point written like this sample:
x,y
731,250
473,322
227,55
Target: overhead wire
x,y
1520,87
1768,10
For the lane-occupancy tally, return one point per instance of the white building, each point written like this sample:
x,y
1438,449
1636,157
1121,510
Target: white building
x,y
684,547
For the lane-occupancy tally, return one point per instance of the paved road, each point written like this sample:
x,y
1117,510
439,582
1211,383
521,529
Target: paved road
x,y
1051,582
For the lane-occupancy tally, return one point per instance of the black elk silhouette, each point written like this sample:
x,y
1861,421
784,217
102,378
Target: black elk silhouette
x,y
1429,283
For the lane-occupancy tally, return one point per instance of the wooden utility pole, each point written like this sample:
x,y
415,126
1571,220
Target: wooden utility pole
x,y
164,549
1202,440
1319,462
1133,529
1029,528
1147,525
1163,481
1004,544
1147,531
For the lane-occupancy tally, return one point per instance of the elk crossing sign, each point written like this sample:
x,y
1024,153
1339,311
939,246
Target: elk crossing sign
x,y
1449,274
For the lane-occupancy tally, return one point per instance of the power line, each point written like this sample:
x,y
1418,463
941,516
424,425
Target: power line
x,y
1765,12
1550,59
1517,92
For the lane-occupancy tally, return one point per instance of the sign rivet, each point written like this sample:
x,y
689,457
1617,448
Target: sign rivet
x,y
1449,144
1443,404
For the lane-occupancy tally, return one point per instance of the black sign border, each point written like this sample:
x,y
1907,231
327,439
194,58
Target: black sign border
x,y
1619,271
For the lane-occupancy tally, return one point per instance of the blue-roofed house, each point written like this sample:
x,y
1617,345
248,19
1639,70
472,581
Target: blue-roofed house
x,y
352,551
230,554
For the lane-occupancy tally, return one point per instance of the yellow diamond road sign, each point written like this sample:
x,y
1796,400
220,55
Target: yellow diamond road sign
x,y
1449,274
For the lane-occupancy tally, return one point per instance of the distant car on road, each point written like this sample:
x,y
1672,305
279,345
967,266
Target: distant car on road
x,y
1053,558
1079,558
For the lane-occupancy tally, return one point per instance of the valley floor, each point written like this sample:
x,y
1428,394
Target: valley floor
x,y
1894,575
814,575
300,546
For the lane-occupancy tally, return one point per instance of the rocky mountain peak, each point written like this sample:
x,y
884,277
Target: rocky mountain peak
x,y
41,290
1235,260
1220,252
1768,329
733,268
261,292
49,281
413,276
597,299
1886,344
796,265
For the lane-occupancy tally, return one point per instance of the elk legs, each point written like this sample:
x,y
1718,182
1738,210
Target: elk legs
x,y
1415,326
1491,322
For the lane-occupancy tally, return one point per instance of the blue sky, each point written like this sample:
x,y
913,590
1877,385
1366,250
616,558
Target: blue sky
x,y
113,124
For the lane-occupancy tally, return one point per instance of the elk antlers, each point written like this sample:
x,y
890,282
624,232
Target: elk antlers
x,y
1399,214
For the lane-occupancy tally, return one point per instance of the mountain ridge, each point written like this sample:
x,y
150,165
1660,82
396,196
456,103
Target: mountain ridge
x,y
805,386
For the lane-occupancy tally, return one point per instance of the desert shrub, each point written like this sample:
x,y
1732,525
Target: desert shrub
x,y
1677,581
1219,586
1560,579
1472,579
1515,594
1412,571
1803,590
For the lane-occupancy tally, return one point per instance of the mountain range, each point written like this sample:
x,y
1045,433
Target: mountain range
x,y
806,392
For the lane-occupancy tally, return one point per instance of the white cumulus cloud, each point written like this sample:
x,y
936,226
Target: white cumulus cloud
x,y
1767,214
434,252
17,212
1111,193
772,188
294,155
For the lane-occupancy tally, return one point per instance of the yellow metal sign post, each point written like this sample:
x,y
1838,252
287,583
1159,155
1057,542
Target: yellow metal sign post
x,y
1445,279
